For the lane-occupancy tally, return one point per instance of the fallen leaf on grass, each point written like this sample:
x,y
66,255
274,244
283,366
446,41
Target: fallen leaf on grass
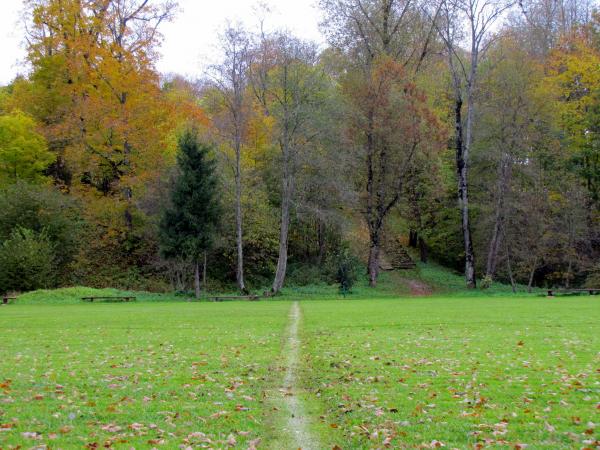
x,y
111,428
136,426
31,435
253,444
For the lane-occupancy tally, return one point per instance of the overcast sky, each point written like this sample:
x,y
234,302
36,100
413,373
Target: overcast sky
x,y
190,41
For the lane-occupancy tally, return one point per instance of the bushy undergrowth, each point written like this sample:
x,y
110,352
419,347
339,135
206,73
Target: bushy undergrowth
x,y
27,261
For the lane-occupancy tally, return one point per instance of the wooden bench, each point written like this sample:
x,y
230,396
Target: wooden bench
x,y
108,299
7,300
222,298
591,291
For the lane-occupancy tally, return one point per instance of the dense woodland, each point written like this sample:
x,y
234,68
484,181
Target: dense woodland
x,y
468,130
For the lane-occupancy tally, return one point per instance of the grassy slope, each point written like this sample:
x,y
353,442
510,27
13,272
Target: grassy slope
x,y
391,284
462,371
442,282
137,375
74,294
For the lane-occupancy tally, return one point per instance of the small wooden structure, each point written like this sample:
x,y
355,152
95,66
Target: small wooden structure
x,y
108,299
6,300
591,291
222,298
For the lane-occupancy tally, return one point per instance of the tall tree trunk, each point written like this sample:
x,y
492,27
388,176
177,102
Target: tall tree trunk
x,y
463,196
374,253
531,275
127,163
238,218
128,193
197,278
423,253
204,271
321,241
413,238
492,257
511,277
283,236
568,275
179,280
286,191
510,272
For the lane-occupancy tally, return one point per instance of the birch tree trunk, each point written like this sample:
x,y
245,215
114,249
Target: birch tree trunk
x,y
238,215
479,18
463,194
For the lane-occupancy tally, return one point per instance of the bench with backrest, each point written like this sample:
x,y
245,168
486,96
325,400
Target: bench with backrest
x,y
109,299
222,298
591,291
6,300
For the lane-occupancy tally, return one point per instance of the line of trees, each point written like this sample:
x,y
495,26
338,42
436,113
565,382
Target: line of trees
x,y
471,128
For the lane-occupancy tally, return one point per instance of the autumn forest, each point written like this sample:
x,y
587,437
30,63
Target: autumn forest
x,y
460,132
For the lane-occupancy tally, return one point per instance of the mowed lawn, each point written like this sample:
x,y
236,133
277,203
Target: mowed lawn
x,y
503,372
397,373
137,375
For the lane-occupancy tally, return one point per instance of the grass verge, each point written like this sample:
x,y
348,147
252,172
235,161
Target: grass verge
x,y
458,372
137,375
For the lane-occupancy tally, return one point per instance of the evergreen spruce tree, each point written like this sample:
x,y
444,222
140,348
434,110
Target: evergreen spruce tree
x,y
188,225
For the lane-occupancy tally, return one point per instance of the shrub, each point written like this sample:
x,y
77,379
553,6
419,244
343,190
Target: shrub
x,y
346,268
304,274
27,261
593,279
486,282
44,211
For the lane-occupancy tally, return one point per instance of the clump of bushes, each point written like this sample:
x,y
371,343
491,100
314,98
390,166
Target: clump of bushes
x,y
346,267
593,278
486,282
39,237
27,261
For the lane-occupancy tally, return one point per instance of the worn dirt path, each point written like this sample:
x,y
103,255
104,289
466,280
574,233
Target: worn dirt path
x,y
418,288
297,426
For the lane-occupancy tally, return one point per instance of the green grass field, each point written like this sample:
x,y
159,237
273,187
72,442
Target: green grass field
x,y
462,372
137,374
392,372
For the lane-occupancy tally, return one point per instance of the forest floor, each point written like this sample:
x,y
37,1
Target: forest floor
x,y
423,372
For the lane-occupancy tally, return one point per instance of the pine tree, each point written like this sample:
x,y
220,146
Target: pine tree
x,y
188,226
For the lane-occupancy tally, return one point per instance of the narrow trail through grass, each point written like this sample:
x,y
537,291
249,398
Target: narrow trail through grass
x,y
297,425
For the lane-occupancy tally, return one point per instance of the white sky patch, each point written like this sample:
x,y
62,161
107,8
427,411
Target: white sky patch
x,y
191,40
12,42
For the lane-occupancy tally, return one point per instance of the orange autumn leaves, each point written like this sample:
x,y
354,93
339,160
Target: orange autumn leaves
x,y
106,114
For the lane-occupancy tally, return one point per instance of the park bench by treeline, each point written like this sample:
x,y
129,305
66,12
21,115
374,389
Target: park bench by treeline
x,y
109,299
591,291
6,300
222,298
